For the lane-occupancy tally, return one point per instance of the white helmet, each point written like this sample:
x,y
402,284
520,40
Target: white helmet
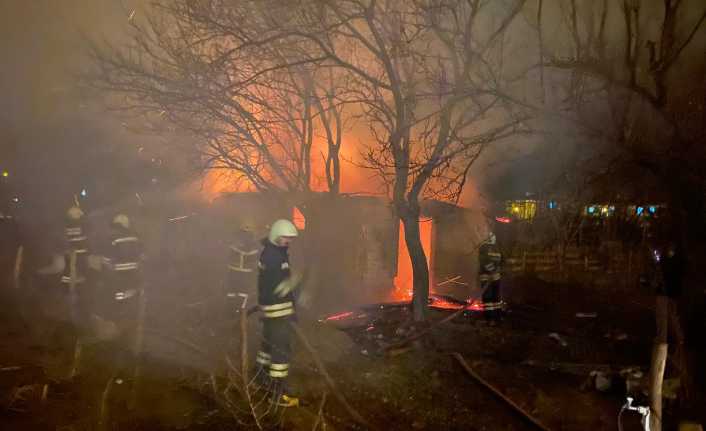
x,y
491,239
280,228
122,220
74,213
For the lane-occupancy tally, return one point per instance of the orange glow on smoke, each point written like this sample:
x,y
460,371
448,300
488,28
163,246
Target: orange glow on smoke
x,y
217,182
403,280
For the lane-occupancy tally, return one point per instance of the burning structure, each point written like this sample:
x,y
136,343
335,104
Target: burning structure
x,y
353,247
355,244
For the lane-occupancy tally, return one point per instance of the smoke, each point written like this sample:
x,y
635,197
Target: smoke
x,y
56,139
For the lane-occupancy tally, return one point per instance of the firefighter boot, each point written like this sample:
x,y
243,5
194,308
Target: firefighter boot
x,y
282,396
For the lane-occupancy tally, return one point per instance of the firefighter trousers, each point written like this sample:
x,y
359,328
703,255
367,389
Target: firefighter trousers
x,y
491,300
275,352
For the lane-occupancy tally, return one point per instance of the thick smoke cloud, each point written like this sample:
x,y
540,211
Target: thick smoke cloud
x,y
55,138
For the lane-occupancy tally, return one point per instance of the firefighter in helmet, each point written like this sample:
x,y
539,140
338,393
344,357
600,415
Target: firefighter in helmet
x,y
122,261
490,263
242,266
77,249
75,268
277,294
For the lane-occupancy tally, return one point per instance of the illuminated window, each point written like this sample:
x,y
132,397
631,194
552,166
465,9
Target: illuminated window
x,y
522,209
600,210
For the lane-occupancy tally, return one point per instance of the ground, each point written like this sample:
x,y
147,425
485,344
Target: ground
x,y
392,386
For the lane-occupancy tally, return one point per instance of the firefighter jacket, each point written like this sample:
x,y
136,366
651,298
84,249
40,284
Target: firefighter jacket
x,y
490,260
243,254
273,271
76,244
124,252
75,237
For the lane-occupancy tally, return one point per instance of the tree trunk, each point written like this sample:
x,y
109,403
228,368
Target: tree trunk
x,y
658,363
420,270
659,360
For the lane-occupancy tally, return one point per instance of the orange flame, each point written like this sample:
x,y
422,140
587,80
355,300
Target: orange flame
x,y
298,219
353,178
403,281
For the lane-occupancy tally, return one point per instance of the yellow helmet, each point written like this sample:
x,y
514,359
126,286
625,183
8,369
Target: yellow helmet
x,y
74,213
280,228
122,220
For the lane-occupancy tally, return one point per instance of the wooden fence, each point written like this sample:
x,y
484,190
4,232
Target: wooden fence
x,y
573,260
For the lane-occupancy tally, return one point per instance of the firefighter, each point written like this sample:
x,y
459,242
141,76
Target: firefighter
x,y
490,261
663,275
75,266
673,267
664,272
277,291
76,250
123,288
242,267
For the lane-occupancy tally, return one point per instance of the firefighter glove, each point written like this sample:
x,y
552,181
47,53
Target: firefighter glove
x,y
288,285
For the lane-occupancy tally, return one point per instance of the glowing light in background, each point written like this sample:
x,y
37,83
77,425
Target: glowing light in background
x,y
403,281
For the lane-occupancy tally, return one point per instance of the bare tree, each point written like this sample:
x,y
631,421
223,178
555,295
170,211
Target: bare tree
x,y
428,81
252,108
632,76
632,71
